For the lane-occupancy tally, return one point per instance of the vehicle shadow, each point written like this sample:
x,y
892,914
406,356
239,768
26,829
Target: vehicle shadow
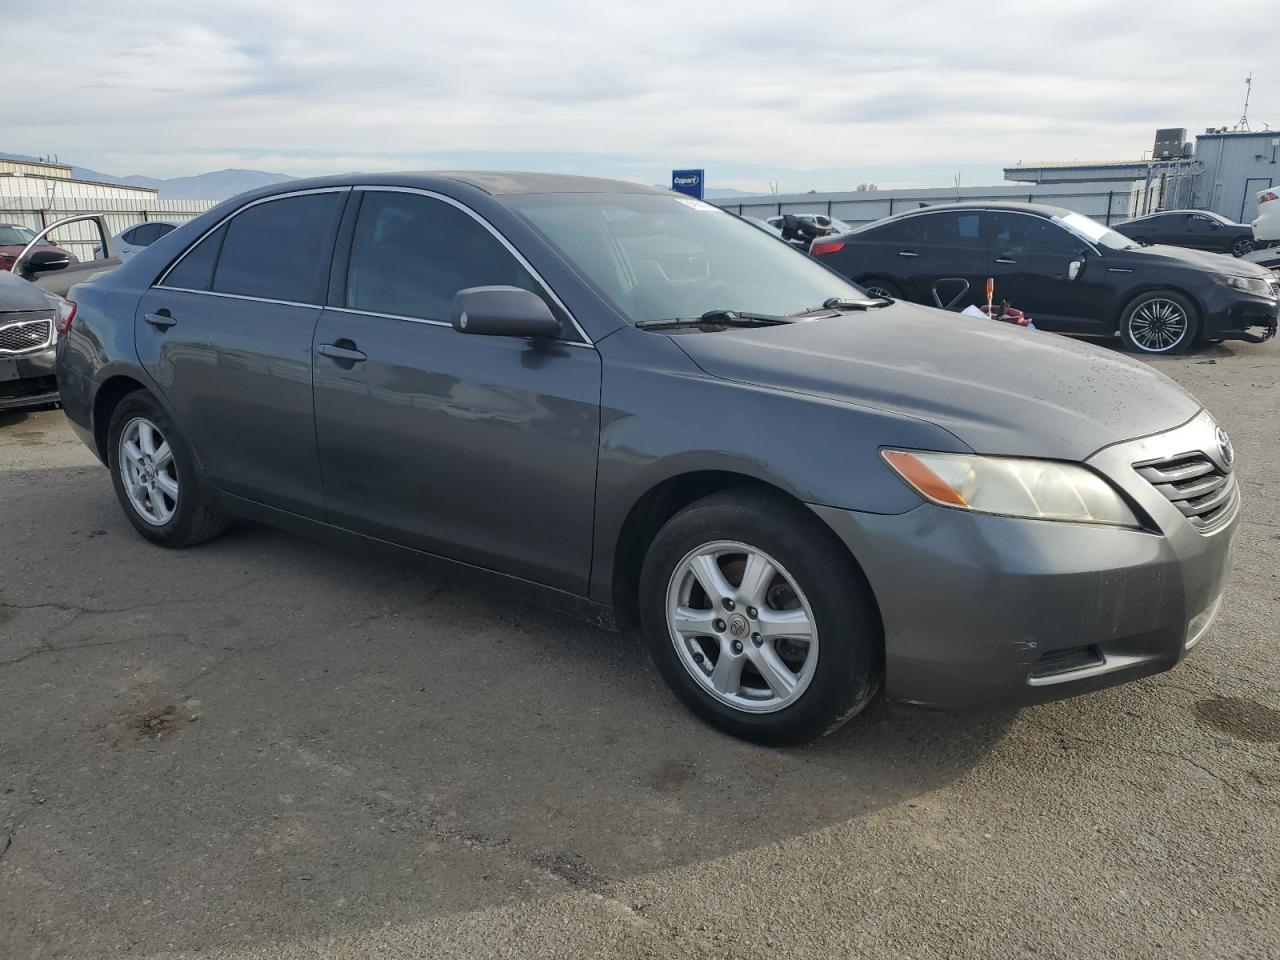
x,y
306,741
10,418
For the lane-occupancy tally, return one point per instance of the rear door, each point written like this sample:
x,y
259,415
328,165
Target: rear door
x,y
941,251
478,448
1031,258
227,337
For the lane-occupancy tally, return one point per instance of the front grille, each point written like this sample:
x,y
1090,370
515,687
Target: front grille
x,y
25,336
1201,490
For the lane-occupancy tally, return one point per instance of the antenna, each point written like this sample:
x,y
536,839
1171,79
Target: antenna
x,y
1244,114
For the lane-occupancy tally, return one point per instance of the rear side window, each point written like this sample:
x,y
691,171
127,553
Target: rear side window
x,y
195,270
410,254
279,250
147,234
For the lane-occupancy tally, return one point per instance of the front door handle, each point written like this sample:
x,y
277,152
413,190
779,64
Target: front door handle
x,y
337,352
161,320
1005,260
907,253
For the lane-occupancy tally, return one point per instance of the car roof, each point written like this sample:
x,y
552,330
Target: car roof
x,y
492,182
1041,209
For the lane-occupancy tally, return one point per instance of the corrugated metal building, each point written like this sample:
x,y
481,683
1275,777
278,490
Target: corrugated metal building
x,y
1235,164
37,194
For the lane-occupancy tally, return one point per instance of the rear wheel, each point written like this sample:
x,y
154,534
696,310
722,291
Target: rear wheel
x,y
1159,322
758,619
154,476
1241,247
880,287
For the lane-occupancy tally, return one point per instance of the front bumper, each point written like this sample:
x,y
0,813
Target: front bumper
x,y
986,611
27,380
1244,317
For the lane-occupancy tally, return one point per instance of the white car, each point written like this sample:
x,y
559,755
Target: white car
x,y
1266,225
138,237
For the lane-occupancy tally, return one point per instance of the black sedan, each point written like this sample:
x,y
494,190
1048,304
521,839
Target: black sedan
x,y
1067,272
1197,229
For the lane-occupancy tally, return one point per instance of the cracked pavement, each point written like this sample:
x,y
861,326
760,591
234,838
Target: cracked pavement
x,y
265,747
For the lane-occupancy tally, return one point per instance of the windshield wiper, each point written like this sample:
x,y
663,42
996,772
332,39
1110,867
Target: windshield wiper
x,y
728,318
840,303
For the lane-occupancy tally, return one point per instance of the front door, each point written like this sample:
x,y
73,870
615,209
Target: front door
x,y
481,449
227,337
1031,260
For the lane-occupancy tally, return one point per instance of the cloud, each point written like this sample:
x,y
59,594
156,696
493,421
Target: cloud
x,y
812,96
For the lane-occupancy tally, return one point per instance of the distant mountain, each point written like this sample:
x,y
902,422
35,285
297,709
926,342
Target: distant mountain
x,y
218,185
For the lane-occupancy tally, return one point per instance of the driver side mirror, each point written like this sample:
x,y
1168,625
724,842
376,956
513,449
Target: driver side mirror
x,y
1074,268
503,312
43,261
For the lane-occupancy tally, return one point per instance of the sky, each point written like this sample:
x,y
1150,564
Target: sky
x,y
815,96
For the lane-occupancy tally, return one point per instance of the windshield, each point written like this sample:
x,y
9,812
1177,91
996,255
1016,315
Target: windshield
x,y
1095,232
658,257
16,236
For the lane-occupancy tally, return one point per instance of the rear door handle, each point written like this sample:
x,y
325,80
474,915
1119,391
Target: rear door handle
x,y
1005,260
907,253
161,320
349,354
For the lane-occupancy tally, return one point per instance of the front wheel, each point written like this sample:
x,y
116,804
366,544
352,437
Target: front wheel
x,y
885,289
759,620
1241,247
1159,322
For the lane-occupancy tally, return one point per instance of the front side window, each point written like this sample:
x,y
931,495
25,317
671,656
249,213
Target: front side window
x,y
1018,233
659,257
410,254
279,250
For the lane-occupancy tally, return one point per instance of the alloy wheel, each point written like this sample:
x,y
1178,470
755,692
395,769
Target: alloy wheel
x,y
1242,246
149,472
742,627
1158,325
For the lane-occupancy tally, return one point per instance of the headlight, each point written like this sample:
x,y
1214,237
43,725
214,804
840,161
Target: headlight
x,y
1254,285
1012,487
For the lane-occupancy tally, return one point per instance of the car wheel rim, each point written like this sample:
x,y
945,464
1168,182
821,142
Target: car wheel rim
x,y
1242,247
1158,325
742,626
149,472
879,292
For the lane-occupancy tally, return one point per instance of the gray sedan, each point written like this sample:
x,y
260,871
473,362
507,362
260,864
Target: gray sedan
x,y
630,405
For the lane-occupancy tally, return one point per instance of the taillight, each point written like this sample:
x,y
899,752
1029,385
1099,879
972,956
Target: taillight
x,y
66,313
820,248
1267,196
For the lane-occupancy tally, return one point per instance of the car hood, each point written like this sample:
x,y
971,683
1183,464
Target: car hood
x,y
998,388
19,294
1215,262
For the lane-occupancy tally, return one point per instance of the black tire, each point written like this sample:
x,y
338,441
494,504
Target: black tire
x,y
850,655
1142,306
879,286
1241,247
194,518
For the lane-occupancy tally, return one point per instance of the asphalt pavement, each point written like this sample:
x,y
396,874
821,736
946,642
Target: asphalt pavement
x,y
267,747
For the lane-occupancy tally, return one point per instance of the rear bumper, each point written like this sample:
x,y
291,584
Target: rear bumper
x,y
984,611
27,380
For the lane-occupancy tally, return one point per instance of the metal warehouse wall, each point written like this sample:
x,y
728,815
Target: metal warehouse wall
x,y
1236,166
82,238
1107,202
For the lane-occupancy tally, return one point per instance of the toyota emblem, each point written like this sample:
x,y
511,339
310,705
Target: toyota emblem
x,y
1224,447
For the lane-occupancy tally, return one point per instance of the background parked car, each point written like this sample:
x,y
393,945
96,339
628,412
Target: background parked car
x,y
138,237
1198,229
1266,225
56,270
28,333
15,236
1065,271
